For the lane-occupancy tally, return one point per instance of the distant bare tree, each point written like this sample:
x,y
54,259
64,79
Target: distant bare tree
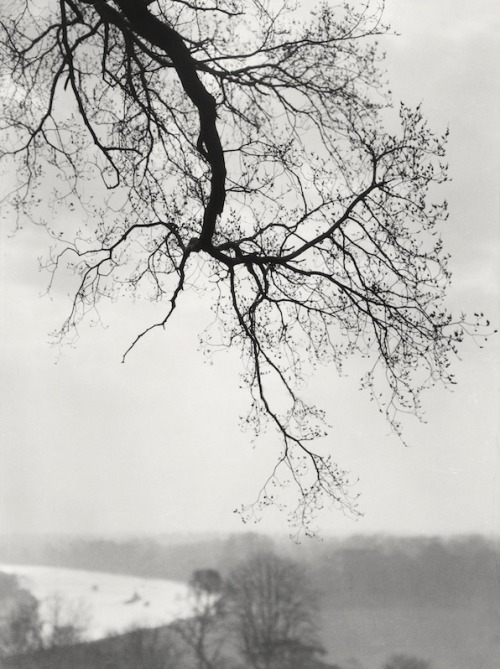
x,y
271,614
65,622
203,631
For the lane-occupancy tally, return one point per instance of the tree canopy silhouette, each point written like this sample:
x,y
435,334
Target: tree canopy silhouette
x,y
271,609
239,147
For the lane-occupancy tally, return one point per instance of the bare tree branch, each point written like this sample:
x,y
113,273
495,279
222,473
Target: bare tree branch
x,y
235,133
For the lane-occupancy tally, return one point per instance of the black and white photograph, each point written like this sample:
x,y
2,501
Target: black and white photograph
x,y
249,334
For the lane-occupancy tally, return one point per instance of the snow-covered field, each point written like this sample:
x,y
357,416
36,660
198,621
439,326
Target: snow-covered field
x,y
110,603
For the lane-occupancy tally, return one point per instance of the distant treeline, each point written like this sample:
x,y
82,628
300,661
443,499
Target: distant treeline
x,y
374,571
416,572
149,558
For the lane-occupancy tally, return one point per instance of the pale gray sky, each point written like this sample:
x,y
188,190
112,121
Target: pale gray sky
x,y
91,445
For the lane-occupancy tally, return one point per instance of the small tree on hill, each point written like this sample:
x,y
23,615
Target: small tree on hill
x,y
202,631
65,622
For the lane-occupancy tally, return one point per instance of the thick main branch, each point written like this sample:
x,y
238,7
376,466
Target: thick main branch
x,y
141,22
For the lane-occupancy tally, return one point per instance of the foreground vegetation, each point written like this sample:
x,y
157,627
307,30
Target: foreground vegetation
x,y
363,603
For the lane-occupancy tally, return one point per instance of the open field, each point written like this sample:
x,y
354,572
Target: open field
x,y
114,603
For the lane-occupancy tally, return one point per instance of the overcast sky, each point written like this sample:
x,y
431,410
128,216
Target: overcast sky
x,y
93,446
